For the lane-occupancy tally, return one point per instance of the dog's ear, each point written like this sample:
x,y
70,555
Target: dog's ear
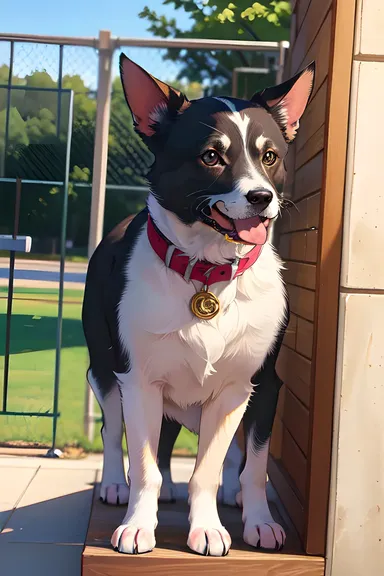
x,y
149,100
287,101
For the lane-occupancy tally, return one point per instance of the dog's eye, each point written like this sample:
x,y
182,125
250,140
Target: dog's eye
x,y
211,158
269,158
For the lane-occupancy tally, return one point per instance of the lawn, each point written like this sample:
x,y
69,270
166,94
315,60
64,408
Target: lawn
x,y
32,362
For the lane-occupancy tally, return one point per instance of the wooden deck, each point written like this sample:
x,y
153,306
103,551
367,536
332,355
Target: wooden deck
x,y
172,556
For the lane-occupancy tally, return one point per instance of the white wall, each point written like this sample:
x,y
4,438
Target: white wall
x,y
356,526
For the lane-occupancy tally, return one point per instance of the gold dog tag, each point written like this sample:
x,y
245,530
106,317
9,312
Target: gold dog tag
x,y
204,304
228,239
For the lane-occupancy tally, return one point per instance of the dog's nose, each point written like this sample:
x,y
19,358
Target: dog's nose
x,y
260,198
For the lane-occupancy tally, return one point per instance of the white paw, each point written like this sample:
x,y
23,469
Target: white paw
x,y
132,540
114,494
209,541
267,535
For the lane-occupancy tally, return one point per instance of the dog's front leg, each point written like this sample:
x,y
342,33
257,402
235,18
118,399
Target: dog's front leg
x,y
143,412
219,421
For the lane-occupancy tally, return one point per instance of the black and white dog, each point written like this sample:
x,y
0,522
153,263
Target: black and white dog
x,y
185,308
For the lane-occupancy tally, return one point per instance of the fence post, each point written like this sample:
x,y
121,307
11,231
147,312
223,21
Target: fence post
x,y
99,178
283,47
100,153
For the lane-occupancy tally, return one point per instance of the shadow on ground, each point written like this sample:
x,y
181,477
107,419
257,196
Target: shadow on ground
x,y
49,534
36,333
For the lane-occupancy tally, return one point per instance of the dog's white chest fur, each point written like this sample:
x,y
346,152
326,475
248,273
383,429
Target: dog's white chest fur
x,y
191,358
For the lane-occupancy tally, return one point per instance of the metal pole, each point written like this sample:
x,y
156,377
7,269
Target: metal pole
x,y
8,110
193,43
197,44
61,281
36,38
234,82
60,87
99,180
100,155
244,70
283,47
89,413
10,295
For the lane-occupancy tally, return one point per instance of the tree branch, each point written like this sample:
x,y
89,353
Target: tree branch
x,y
248,29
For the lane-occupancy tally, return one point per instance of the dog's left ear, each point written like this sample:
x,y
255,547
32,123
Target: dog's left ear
x,y
287,101
149,100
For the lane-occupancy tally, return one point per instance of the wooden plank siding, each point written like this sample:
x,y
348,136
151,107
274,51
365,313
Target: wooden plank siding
x,y
300,463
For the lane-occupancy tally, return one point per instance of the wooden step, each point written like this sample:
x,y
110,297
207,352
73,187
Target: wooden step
x,y
171,555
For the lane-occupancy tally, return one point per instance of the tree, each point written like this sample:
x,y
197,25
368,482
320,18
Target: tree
x,y
17,129
219,19
192,90
36,149
128,157
267,20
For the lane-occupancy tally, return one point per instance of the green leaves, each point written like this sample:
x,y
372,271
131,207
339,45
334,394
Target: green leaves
x,y
266,20
227,14
259,20
274,12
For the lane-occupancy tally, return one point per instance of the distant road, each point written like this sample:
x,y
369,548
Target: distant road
x,y
43,273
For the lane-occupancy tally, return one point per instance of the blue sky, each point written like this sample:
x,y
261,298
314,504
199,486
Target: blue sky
x,y
82,18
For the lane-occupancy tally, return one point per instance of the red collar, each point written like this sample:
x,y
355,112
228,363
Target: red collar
x,y
202,271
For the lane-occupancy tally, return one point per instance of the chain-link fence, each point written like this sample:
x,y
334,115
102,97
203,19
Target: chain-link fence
x,y
29,121
107,159
197,67
29,156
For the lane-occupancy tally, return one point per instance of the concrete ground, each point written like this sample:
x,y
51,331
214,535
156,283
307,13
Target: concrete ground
x,y
45,506
43,273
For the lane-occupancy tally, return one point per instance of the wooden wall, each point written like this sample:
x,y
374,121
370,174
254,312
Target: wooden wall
x,y
301,441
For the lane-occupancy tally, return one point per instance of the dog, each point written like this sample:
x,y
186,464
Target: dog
x,y
185,309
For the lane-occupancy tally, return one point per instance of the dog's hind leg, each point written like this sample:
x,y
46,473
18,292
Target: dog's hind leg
x,y
170,430
231,470
260,529
114,488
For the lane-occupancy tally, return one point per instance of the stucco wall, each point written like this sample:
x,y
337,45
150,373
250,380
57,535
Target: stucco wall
x,y
356,525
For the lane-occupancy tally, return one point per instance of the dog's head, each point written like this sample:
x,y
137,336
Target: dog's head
x,y
218,161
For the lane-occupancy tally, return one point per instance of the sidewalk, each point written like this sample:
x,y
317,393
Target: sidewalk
x,y
43,274
45,506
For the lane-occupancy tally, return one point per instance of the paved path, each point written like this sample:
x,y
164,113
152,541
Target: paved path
x,y
45,506
43,273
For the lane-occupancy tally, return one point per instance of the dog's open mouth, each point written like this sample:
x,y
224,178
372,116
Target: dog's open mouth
x,y
246,231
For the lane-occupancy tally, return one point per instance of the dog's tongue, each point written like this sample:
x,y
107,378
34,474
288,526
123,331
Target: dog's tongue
x,y
251,230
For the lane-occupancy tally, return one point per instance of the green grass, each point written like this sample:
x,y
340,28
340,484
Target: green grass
x,y
32,362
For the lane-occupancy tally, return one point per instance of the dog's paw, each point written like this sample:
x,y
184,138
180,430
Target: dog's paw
x,y
230,487
227,497
168,492
132,540
114,494
210,541
268,535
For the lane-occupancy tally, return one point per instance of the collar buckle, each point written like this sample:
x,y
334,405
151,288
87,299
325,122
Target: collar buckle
x,y
235,267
